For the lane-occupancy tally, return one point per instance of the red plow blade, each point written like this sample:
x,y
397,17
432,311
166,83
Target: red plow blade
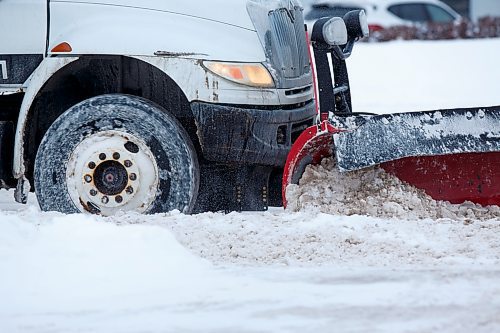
x,y
314,144
456,178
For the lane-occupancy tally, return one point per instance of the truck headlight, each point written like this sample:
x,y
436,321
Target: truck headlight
x,y
250,74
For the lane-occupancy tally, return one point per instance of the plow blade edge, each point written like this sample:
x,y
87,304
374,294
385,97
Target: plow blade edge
x,y
373,140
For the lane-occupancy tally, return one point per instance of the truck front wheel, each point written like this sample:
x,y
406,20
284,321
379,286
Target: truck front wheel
x,y
116,153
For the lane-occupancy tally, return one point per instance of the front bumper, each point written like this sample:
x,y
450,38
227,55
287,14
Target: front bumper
x,y
231,134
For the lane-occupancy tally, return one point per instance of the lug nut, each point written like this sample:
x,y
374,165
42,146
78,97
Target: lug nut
x,y
91,165
133,176
88,178
102,156
129,190
93,192
118,198
105,200
128,163
116,156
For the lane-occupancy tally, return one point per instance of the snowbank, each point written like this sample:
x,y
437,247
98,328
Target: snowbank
x,y
252,272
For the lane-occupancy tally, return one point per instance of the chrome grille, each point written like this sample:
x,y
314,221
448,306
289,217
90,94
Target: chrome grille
x,y
288,40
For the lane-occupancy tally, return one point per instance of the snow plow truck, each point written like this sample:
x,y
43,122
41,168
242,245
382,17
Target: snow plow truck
x,y
115,105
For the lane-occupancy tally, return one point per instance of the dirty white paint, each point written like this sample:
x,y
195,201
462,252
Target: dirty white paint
x,y
213,10
199,84
41,75
155,26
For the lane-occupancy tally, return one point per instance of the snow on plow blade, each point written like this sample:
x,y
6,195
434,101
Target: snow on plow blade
x,y
453,155
377,139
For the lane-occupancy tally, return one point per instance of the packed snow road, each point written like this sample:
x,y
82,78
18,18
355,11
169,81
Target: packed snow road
x,y
251,272
404,269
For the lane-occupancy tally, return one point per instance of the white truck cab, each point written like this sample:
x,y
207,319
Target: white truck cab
x,y
150,106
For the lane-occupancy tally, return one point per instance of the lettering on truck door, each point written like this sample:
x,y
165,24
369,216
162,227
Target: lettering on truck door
x,y
3,68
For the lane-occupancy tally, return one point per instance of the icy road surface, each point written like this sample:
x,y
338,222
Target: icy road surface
x,y
275,271
252,272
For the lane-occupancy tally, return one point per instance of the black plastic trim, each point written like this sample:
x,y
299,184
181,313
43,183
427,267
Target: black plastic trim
x,y
233,134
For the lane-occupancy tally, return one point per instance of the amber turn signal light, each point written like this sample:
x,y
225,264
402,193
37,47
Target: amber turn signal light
x,y
62,48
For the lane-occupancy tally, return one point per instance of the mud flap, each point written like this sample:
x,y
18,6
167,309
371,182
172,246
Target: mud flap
x,y
233,188
372,140
6,153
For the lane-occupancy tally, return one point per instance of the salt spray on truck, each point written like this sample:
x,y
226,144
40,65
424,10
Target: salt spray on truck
x,y
151,106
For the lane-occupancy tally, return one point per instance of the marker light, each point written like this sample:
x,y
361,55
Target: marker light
x,y
62,48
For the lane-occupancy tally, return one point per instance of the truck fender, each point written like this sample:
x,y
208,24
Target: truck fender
x,y
36,81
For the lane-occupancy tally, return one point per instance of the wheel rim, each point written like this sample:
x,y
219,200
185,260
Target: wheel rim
x,y
112,171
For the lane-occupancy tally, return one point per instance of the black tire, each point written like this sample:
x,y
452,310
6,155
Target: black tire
x,y
177,166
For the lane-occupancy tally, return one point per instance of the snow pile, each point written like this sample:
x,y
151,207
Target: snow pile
x,y
272,272
374,192
64,257
313,239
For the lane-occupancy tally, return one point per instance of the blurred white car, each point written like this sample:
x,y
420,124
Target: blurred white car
x,y
382,14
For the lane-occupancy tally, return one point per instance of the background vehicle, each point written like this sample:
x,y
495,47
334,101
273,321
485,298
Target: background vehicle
x,y
383,14
112,105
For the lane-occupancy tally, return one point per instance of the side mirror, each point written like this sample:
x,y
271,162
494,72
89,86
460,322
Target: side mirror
x,y
356,23
331,31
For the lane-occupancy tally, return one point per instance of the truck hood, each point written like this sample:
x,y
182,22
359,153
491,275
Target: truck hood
x,y
232,12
